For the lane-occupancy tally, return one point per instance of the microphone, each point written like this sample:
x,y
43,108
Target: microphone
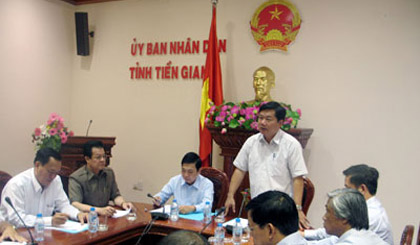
x,y
218,212
29,231
158,216
87,131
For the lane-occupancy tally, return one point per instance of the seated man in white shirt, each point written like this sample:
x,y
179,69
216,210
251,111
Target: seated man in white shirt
x,y
363,178
346,217
39,190
190,189
273,219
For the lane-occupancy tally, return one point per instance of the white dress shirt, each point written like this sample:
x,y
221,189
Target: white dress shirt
x,y
271,166
293,239
378,220
196,194
29,199
378,223
360,237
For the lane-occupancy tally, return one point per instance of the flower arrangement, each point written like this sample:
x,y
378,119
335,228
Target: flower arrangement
x,y
51,135
244,115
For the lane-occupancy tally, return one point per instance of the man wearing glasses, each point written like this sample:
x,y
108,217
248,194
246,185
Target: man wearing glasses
x,y
94,184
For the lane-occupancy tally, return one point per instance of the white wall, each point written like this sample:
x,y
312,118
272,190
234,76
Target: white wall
x,y
353,70
36,46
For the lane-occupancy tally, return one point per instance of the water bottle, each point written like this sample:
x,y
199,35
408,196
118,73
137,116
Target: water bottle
x,y
93,220
237,232
207,213
39,228
174,216
219,234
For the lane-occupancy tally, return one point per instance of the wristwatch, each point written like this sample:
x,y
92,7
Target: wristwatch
x,y
299,207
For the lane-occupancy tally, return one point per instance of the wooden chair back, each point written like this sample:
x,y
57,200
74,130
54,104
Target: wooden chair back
x,y
220,185
308,194
4,178
407,235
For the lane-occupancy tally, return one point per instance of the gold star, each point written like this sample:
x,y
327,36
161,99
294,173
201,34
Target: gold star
x,y
275,14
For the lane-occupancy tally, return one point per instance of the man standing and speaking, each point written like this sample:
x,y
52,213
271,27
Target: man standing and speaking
x,y
273,159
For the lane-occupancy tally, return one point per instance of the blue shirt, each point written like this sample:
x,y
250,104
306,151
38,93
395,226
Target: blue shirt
x,y
196,194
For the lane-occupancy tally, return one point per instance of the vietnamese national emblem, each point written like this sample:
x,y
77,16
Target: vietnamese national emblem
x,y
275,24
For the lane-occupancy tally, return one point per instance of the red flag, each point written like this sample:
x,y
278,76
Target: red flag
x,y
211,91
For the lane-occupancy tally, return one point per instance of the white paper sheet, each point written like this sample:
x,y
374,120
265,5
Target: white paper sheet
x,y
120,213
244,222
160,210
70,227
12,243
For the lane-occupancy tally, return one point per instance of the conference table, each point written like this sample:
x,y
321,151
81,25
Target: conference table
x,y
122,231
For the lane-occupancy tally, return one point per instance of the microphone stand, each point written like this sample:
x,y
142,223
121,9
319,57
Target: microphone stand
x,y
219,211
160,216
147,229
30,234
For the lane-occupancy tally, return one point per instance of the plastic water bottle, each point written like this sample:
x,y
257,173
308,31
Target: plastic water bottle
x,y
219,234
93,220
39,228
237,232
174,216
207,213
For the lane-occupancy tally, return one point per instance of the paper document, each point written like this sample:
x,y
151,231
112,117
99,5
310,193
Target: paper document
x,y
194,216
244,222
70,227
160,210
121,213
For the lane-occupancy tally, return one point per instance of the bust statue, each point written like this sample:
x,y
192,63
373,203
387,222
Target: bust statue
x,y
263,83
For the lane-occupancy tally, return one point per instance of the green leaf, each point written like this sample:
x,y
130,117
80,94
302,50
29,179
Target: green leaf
x,y
233,123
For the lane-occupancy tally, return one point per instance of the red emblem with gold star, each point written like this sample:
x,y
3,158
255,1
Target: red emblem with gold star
x,y
275,24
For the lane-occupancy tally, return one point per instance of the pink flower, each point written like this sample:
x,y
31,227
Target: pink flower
x,y
224,108
290,120
299,112
60,125
37,132
220,118
63,138
71,133
234,110
254,125
53,131
242,112
54,116
211,110
50,122
249,110
223,131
